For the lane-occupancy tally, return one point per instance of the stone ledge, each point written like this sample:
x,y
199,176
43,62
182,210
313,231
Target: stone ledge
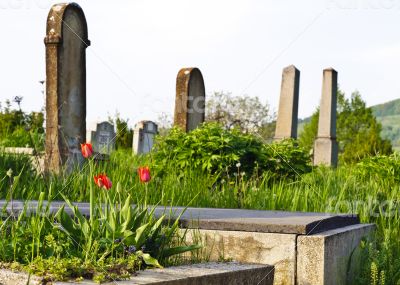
x,y
278,250
213,273
235,220
331,257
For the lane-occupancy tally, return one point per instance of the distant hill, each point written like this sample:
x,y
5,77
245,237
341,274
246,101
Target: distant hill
x,y
391,108
388,114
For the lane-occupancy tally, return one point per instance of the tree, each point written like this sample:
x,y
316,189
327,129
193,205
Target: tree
x,y
124,134
309,133
20,129
164,122
358,131
244,112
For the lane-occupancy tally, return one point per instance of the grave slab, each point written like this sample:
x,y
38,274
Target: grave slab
x,y
103,138
234,219
144,136
190,99
66,42
304,248
232,273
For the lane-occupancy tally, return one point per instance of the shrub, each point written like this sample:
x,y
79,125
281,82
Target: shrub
x,y
214,149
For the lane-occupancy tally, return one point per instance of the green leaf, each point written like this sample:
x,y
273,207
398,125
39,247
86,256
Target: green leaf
x,y
178,250
151,261
68,225
140,237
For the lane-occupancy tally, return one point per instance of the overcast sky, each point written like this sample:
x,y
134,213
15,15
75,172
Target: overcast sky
x,y
138,46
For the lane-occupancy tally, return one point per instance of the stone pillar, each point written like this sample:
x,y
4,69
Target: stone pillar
x,y
190,99
286,123
143,137
66,42
325,146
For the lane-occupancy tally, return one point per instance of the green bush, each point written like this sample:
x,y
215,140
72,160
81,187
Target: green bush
x,y
220,151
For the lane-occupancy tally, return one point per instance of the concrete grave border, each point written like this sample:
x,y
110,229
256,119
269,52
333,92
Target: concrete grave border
x,y
303,248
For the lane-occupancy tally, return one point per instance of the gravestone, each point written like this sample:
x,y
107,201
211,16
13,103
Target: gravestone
x,y
103,139
143,136
286,123
190,99
66,42
325,146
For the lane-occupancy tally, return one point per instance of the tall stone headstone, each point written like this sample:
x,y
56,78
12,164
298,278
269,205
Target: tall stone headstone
x,y
286,123
143,136
103,139
66,42
190,99
325,146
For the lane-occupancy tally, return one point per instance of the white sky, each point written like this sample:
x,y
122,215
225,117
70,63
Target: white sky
x,y
138,46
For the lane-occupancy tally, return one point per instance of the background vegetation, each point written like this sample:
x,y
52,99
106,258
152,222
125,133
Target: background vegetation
x,y
358,131
19,129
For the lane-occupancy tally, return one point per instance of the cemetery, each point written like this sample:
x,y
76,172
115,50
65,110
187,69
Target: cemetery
x,y
201,204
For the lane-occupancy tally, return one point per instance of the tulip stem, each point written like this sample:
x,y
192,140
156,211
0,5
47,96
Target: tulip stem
x,y
145,197
91,209
91,195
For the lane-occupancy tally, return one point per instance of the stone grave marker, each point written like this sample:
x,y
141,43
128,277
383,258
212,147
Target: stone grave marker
x,y
103,139
66,42
190,99
325,146
143,136
286,123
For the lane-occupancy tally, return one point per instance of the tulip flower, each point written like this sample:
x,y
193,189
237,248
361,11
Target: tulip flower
x,y
103,181
144,174
87,150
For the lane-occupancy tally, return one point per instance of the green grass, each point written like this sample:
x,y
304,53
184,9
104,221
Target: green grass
x,y
374,196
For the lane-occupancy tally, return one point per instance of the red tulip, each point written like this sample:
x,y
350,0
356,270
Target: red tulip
x,y
87,150
144,174
103,181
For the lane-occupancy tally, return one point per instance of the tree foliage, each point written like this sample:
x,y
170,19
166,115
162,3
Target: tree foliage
x,y
243,112
20,129
124,134
358,131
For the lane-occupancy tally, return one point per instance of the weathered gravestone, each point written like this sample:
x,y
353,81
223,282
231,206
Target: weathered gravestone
x,y
190,99
286,123
103,139
66,42
325,146
143,136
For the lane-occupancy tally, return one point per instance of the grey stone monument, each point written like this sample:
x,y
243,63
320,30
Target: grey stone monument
x,y
325,146
190,99
286,123
66,42
143,136
103,139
